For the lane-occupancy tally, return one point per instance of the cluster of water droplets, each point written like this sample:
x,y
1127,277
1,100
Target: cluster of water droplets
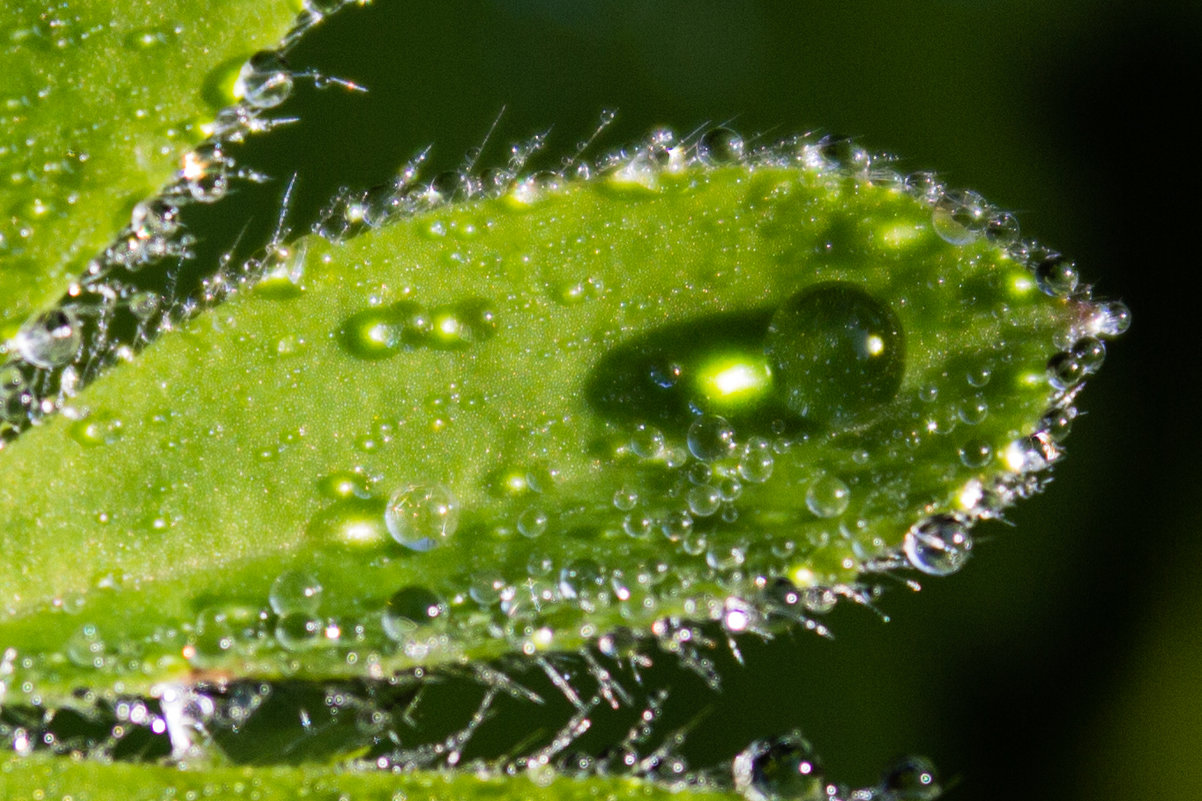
x,y
129,294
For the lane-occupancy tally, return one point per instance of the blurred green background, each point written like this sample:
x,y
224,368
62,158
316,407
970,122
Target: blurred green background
x,y
1066,661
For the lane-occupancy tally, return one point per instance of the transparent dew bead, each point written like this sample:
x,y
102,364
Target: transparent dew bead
x,y
264,81
486,587
625,499
954,219
1065,371
975,453
409,610
781,769
298,631
1090,352
938,546
51,339
153,218
704,500
720,146
913,778
532,522
710,438
581,578
375,333
1057,276
838,353
295,591
756,460
646,441
422,516
827,496
1057,424
1110,319
1002,228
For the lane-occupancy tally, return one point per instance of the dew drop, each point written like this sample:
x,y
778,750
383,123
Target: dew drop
x,y
1057,276
637,526
342,484
97,429
938,546
1111,319
837,351
710,437
704,500
975,453
756,460
720,146
1090,353
647,441
51,339
954,219
582,578
422,516
486,587
264,80
974,410
781,769
828,497
297,631
625,499
532,522
86,648
1057,424
375,333
295,591
1065,371
410,609
911,779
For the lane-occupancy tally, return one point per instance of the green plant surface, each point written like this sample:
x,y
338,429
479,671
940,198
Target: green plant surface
x,y
98,103
39,778
375,464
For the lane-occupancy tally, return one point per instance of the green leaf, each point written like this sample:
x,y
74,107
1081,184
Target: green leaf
x,y
679,392
29,778
98,102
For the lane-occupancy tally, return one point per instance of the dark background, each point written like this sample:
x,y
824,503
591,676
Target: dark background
x,y
1064,661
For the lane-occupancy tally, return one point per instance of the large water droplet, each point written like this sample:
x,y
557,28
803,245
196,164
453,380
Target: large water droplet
x,y
939,546
422,516
410,609
781,769
838,353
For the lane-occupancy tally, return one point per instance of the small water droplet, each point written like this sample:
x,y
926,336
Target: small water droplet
x,y
298,631
956,217
410,609
704,500
781,769
422,516
295,591
1110,319
1065,371
264,81
1057,276
375,333
975,453
486,587
86,648
97,429
756,460
582,578
647,441
1090,353
1057,423
912,779
625,499
973,410
720,146
710,438
637,525
532,522
838,352
342,484
51,339
938,546
827,497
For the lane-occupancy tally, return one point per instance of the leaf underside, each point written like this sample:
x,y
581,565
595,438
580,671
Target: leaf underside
x,y
727,393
